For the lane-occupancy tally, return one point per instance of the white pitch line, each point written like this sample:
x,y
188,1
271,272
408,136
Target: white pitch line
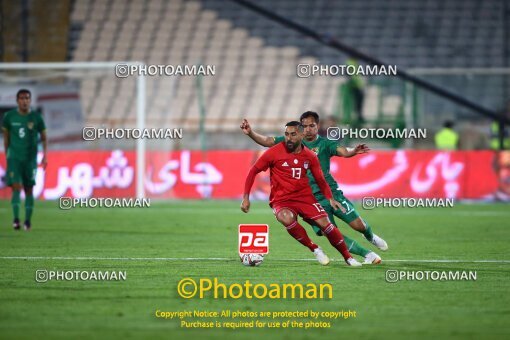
x,y
449,261
65,258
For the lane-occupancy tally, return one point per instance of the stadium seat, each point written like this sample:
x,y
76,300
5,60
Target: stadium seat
x,y
255,58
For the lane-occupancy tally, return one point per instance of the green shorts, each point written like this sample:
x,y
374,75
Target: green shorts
x,y
22,172
350,212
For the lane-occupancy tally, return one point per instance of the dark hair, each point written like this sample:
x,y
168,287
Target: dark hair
x,y
295,123
309,114
20,92
448,124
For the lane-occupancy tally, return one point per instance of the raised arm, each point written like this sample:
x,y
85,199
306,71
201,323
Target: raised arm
x,y
257,137
350,152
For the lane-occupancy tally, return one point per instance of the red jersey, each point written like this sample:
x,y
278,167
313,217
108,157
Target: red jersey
x,y
288,174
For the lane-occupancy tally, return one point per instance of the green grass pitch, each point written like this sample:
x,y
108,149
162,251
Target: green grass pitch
x,y
112,238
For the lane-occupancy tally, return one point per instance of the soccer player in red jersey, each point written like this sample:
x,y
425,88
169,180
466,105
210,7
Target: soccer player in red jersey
x,y
291,194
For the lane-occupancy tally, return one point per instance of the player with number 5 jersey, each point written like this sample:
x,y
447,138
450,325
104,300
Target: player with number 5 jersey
x,y
21,128
291,195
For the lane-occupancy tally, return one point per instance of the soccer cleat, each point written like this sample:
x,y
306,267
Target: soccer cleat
x,y
15,224
379,243
372,258
353,262
321,256
27,225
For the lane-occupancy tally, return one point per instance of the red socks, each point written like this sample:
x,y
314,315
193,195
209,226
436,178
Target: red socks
x,y
332,233
299,233
337,240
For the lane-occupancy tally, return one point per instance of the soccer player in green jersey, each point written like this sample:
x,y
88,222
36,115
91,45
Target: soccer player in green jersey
x,y
325,149
21,128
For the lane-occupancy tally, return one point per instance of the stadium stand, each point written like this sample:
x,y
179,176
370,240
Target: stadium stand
x,y
418,34
256,59
406,33
252,79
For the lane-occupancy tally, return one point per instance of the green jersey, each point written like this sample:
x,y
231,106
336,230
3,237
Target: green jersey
x,y
23,134
324,149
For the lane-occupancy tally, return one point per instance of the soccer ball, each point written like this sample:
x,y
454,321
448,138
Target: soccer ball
x,y
252,260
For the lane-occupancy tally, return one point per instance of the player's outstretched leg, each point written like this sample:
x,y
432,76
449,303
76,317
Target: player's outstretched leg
x,y
352,218
357,249
352,245
360,225
336,239
15,203
29,207
289,220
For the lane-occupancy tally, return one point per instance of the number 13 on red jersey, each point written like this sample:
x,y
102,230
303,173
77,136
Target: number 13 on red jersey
x,y
296,173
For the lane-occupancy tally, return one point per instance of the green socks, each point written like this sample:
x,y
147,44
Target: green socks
x,y
354,247
15,202
29,207
368,232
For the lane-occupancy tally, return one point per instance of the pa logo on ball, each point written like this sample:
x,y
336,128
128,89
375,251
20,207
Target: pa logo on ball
x,y
253,243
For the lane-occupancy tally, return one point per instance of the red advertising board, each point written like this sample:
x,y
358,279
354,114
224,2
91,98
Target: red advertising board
x,y
221,174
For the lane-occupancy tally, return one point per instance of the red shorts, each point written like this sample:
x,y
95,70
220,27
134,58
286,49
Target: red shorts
x,y
307,210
